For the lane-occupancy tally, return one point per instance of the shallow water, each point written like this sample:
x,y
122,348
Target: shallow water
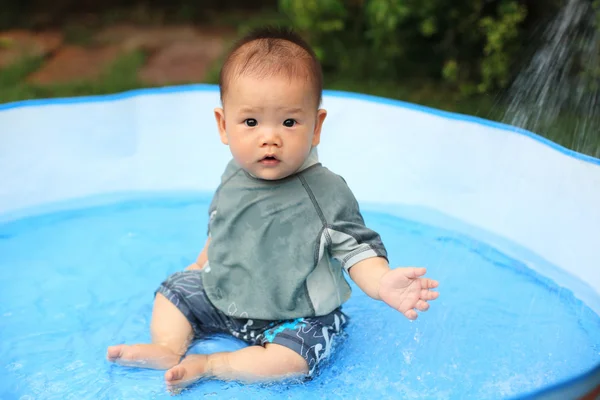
x,y
72,283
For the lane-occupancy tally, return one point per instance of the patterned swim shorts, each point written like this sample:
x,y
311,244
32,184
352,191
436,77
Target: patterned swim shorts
x,y
314,338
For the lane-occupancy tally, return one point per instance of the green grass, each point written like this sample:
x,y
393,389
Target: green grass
x,y
13,75
78,34
119,77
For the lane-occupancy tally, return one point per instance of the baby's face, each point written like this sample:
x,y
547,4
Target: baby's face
x,y
270,124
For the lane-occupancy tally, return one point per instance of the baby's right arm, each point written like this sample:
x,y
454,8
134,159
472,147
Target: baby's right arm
x,y
202,258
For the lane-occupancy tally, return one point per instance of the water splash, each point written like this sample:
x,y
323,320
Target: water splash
x,y
557,94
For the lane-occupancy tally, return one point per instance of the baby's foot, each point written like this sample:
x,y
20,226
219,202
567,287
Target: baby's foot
x,y
142,356
190,370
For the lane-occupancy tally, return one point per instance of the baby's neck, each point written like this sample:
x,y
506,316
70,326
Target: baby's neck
x,y
312,159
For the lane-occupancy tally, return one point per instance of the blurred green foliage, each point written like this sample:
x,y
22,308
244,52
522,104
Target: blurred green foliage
x,y
471,45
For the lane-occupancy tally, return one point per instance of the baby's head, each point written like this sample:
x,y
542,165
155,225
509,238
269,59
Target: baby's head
x,y
271,86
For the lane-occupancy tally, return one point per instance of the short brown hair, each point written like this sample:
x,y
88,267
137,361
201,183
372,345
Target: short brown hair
x,y
272,50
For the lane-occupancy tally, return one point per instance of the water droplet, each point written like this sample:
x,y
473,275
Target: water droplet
x,y
407,356
14,366
417,336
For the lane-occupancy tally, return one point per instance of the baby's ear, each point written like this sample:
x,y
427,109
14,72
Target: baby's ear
x,y
321,114
220,118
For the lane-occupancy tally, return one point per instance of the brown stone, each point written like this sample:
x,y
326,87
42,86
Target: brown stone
x,y
74,63
184,61
16,45
131,37
177,63
178,54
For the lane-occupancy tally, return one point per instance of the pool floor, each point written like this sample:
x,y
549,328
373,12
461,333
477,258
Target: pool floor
x,y
74,282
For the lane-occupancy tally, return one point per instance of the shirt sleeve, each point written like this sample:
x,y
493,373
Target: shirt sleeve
x,y
350,240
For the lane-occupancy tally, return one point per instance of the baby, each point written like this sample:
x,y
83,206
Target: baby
x,y
283,232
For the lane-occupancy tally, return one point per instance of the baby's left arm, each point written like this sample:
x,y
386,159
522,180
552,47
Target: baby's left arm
x,y
401,288
362,254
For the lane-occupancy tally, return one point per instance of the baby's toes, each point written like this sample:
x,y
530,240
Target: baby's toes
x,y
175,374
113,353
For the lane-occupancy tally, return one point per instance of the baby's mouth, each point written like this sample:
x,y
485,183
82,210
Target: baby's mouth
x,y
269,160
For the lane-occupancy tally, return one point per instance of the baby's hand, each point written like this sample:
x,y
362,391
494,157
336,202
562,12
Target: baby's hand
x,y
404,290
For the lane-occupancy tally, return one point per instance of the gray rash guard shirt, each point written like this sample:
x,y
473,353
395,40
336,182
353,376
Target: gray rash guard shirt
x,y
279,249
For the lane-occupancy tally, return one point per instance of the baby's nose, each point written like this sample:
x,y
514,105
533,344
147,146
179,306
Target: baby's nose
x,y
271,138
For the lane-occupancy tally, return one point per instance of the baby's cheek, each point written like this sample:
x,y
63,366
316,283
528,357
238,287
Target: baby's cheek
x,y
239,146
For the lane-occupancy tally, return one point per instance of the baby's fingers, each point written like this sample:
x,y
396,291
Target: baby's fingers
x,y
422,305
411,314
427,283
427,294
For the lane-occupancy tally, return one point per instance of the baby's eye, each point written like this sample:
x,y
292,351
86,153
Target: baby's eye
x,y
250,122
289,123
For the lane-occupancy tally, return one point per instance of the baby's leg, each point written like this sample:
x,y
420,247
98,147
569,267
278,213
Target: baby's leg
x,y
292,349
171,337
250,364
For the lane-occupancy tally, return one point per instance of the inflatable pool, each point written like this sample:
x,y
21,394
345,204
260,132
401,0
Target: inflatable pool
x,y
102,197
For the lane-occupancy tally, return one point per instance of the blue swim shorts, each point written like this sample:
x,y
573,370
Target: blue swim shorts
x,y
314,338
